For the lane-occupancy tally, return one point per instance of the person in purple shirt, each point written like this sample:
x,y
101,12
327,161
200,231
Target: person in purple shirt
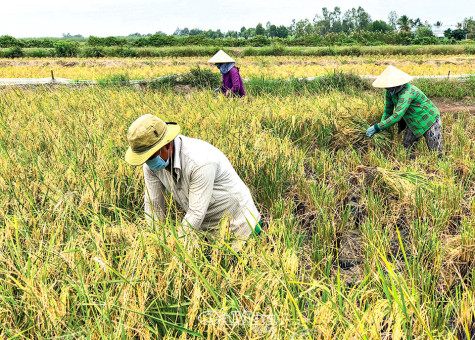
x,y
232,81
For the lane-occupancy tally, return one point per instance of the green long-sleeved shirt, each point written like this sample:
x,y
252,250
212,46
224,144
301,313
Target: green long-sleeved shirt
x,y
413,106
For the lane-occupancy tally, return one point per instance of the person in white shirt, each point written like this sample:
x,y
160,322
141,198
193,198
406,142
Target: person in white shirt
x,y
198,175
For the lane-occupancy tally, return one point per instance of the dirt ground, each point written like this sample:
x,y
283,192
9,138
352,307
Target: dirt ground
x,y
451,107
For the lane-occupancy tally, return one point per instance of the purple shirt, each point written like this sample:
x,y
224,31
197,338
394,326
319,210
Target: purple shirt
x,y
232,81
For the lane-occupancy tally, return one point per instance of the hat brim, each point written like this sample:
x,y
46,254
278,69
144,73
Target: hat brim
x,y
221,61
134,158
221,57
391,77
386,83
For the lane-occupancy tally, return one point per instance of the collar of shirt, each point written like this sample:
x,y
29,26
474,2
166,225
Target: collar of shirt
x,y
176,157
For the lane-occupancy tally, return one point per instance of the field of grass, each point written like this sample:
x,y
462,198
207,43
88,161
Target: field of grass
x,y
250,67
79,261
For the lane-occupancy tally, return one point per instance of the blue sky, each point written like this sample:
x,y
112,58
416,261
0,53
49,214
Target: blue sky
x,y
26,18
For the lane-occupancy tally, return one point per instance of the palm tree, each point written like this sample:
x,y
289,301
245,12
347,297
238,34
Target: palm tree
x,y
416,22
438,24
404,23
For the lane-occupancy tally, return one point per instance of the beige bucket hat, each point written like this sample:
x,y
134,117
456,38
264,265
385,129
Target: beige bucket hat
x,y
391,77
147,135
221,57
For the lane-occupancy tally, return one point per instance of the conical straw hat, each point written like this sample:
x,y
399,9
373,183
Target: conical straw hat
x,y
221,57
391,77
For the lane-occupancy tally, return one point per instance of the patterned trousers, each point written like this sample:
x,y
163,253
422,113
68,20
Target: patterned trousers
x,y
433,138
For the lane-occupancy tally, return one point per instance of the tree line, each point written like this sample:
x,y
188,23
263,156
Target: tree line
x,y
331,27
353,20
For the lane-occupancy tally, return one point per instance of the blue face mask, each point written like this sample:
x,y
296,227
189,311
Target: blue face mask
x,y
157,163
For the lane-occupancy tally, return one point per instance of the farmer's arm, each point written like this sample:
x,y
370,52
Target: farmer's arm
x,y
154,196
388,107
200,192
402,105
235,78
222,88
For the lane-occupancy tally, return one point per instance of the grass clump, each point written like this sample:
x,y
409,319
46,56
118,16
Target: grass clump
x,y
337,81
12,52
452,89
201,78
115,80
196,78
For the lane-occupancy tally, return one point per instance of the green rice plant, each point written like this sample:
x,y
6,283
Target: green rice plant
x,y
332,82
447,88
115,80
351,131
79,260
200,78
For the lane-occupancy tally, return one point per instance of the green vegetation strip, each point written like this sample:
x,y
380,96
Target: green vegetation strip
x,y
85,51
197,78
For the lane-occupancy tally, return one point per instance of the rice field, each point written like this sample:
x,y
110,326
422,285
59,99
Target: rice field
x,y
360,242
250,67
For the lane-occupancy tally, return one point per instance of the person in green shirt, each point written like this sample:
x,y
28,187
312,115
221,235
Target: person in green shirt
x,y
411,109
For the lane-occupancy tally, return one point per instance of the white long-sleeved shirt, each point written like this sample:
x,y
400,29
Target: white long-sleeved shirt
x,y
206,187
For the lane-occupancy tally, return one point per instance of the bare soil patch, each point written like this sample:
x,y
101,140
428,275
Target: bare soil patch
x,y
451,107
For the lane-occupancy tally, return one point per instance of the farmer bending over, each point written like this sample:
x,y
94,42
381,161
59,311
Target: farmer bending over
x,y
232,82
411,109
199,176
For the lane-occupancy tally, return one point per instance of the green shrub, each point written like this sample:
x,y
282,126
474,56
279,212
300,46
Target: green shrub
x,y
259,41
41,43
66,48
199,40
9,41
145,52
127,52
427,41
39,52
92,52
108,41
141,42
13,52
159,40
